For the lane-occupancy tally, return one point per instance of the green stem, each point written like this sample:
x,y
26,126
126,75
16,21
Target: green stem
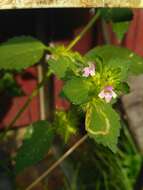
x,y
88,26
57,163
34,93
126,181
130,139
105,32
19,113
62,158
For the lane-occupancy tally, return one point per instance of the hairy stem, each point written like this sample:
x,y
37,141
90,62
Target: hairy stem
x,y
58,162
87,27
34,93
78,143
105,32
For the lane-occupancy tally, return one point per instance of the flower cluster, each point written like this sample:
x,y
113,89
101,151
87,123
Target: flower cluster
x,y
107,93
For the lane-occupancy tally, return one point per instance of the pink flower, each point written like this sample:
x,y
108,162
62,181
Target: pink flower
x,y
89,71
107,93
47,57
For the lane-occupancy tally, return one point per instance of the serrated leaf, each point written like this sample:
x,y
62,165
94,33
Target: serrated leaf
x,y
102,124
120,28
76,90
59,66
116,14
37,141
126,56
20,53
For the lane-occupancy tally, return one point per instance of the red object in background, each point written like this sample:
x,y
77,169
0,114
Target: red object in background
x,y
32,112
133,40
134,37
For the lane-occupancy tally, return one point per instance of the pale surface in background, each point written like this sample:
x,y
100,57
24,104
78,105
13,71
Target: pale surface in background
x,y
133,106
13,4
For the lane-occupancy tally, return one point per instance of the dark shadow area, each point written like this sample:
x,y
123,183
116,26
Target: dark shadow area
x,y
56,23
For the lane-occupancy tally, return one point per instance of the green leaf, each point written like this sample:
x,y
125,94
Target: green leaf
x,y
37,141
122,70
120,28
111,52
20,53
63,62
66,124
124,88
76,90
9,85
102,124
60,66
116,14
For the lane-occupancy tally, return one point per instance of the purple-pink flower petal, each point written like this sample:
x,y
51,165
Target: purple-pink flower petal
x,y
101,94
107,93
89,71
108,97
109,88
86,72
